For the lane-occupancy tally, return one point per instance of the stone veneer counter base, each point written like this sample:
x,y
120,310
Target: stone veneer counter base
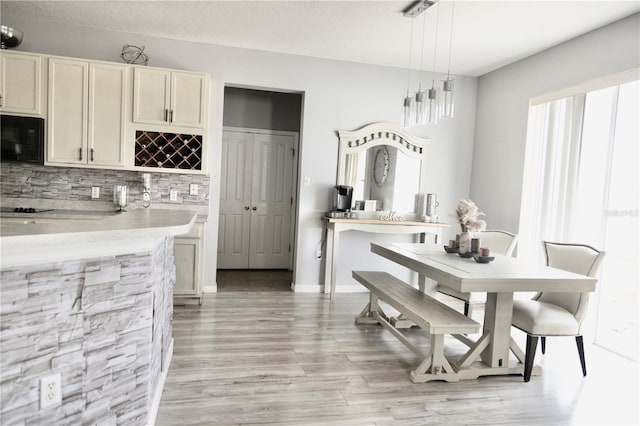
x,y
101,319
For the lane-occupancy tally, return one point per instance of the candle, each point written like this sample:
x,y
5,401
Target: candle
x,y
452,244
484,251
475,245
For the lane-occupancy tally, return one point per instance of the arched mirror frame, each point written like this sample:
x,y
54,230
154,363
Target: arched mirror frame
x,y
376,134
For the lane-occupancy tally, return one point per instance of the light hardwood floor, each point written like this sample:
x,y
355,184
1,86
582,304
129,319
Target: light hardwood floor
x,y
283,358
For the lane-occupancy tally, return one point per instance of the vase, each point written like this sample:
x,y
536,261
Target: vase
x,y
464,244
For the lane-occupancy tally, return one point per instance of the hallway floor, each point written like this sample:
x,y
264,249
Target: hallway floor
x,y
254,280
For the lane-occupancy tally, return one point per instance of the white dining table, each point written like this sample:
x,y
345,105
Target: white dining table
x,y
500,279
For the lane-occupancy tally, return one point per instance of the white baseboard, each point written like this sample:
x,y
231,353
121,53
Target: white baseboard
x,y
155,404
315,288
210,288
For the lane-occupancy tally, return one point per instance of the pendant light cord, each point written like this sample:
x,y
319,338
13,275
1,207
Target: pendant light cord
x,y
453,6
409,67
435,47
424,26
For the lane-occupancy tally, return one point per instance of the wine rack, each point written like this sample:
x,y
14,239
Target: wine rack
x,y
168,150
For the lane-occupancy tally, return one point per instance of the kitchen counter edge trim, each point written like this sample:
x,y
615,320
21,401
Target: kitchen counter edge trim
x,y
130,232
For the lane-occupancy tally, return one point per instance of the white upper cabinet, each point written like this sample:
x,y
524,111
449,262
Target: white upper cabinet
x,y
170,98
87,113
20,83
107,114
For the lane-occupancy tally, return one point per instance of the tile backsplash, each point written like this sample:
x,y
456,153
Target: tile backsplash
x,y
29,181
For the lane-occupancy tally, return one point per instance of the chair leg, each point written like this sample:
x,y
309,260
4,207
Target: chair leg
x,y
466,309
532,343
543,340
583,363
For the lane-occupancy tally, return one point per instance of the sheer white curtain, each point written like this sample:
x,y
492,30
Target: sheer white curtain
x,y
581,185
551,172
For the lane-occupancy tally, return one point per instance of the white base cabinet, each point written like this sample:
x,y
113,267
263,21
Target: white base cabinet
x,y
188,255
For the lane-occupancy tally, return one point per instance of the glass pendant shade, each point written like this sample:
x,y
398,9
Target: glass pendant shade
x,y
432,105
407,112
446,98
421,108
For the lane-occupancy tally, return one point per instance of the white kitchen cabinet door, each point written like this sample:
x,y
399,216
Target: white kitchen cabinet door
x,y
188,91
169,98
20,83
68,109
151,95
107,114
187,252
255,201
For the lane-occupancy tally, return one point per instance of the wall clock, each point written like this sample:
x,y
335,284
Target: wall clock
x,y
381,166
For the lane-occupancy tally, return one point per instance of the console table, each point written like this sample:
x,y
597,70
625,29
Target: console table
x,y
337,225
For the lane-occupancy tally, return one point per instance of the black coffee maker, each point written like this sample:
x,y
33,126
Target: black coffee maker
x,y
342,198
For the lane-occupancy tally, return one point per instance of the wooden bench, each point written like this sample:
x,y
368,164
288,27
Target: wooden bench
x,y
428,313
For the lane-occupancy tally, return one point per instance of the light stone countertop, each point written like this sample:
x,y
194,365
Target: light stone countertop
x,y
128,232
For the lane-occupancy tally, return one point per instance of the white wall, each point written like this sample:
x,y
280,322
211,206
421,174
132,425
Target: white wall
x,y
337,95
503,105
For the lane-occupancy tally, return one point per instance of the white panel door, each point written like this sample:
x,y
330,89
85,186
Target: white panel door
x,y
271,201
256,192
235,200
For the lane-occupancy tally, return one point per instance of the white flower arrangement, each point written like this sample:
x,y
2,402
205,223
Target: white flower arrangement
x,y
468,216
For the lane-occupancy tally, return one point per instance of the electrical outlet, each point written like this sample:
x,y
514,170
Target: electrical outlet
x,y
50,391
95,192
193,189
173,195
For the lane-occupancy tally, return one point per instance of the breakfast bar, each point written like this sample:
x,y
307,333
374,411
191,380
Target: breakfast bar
x,y
88,304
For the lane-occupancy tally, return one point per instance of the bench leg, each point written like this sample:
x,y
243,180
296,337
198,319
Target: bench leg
x,y
435,366
366,315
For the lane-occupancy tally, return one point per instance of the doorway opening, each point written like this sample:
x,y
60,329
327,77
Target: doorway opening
x,y
258,189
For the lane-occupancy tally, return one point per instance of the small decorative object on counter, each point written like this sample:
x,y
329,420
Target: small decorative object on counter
x,y
467,214
120,197
484,251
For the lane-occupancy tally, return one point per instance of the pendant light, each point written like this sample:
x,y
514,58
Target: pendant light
x,y
446,99
432,98
407,103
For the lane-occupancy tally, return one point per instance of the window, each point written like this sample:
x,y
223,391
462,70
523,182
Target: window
x,y
582,185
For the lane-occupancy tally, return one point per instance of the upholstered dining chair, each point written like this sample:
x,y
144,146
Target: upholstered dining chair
x,y
557,314
501,242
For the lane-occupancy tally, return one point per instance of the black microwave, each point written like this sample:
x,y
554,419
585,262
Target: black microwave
x,y
22,139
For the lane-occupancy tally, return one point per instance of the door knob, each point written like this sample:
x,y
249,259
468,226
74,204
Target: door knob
x,y
246,207
254,208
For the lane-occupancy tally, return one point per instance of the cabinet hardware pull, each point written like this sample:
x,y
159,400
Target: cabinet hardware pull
x,y
254,208
166,115
1,99
171,116
91,154
246,207
80,154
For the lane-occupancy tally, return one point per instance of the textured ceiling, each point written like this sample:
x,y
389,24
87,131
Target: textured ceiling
x,y
486,34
